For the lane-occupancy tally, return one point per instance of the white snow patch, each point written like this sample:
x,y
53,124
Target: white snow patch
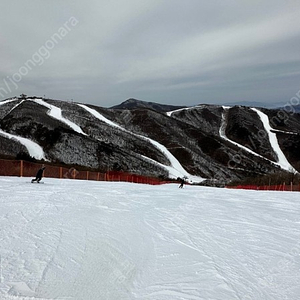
x,y
33,148
73,239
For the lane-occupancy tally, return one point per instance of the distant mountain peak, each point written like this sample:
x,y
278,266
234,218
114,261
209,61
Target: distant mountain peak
x,y
132,103
132,100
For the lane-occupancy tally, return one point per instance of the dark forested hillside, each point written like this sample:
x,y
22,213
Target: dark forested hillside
x,y
217,143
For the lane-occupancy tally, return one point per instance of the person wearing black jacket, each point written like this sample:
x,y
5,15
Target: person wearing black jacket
x,y
39,175
182,182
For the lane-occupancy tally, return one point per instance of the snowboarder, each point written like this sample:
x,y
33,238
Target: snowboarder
x,y
39,175
181,183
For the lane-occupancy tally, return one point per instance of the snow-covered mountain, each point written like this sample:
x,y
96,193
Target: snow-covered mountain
x,y
202,142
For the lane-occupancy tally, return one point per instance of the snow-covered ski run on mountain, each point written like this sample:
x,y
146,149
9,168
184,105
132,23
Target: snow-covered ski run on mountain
x,y
83,240
169,113
7,101
55,112
191,146
281,158
175,169
222,132
282,161
34,150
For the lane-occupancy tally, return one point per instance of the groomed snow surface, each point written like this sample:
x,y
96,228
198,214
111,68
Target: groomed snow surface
x,y
72,239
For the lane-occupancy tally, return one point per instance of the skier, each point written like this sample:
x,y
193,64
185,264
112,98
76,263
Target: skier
x,y
181,183
39,174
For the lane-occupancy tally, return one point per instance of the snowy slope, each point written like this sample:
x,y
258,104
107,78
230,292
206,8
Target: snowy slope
x,y
33,148
222,133
282,160
83,240
175,169
55,112
7,101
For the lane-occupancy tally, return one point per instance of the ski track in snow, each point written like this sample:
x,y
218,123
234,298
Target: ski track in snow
x,y
16,106
285,132
169,113
175,170
55,112
33,148
282,160
82,240
8,101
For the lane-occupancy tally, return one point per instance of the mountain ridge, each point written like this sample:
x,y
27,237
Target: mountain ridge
x,y
132,103
208,141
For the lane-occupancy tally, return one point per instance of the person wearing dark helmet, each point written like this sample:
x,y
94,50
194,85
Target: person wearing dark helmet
x,y
39,175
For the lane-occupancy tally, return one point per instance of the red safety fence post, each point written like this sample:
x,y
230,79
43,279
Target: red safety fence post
x,y
21,168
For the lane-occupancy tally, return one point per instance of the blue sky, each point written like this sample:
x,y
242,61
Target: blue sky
x,y
172,52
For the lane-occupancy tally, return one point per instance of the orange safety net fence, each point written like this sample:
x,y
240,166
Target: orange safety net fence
x,y
278,187
29,169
